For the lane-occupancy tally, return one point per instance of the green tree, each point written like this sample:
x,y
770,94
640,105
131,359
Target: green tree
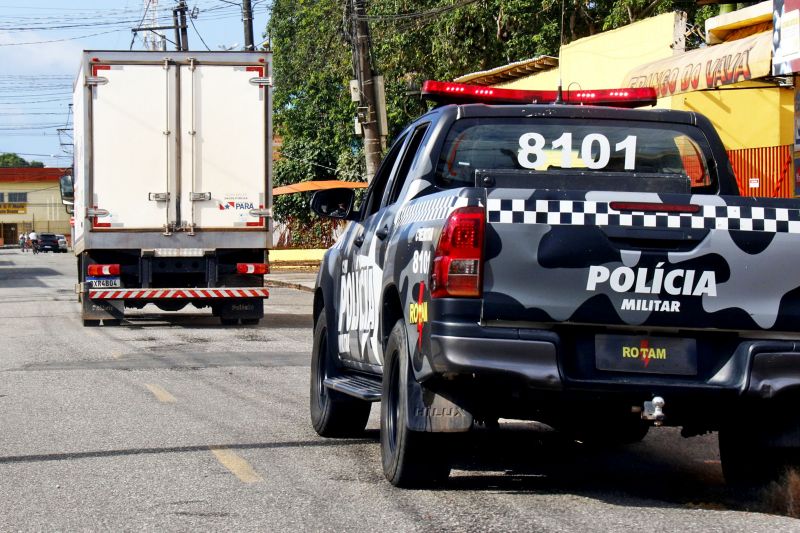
x,y
14,161
412,40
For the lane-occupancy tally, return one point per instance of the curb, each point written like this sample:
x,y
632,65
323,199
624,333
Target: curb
x,y
287,285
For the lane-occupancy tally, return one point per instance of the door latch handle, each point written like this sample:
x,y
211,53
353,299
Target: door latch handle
x,y
382,233
358,241
158,196
199,196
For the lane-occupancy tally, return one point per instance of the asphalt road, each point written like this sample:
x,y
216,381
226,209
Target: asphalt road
x,y
181,424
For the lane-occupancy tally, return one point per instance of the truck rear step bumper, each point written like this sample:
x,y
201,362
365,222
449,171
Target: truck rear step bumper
x,y
186,294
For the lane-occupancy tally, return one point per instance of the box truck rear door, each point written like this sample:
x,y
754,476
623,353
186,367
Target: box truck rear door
x,y
224,146
133,144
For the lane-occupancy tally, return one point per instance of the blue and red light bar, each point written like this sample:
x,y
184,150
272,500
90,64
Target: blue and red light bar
x,y
461,93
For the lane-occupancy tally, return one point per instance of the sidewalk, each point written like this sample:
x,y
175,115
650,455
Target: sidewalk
x,y
293,279
295,269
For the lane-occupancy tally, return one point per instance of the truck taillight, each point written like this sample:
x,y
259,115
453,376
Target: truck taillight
x,y
103,270
458,259
252,268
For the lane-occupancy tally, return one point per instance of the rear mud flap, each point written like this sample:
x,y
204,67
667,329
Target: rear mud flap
x,y
244,308
102,309
431,412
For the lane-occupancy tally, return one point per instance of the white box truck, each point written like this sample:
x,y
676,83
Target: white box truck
x,y
171,183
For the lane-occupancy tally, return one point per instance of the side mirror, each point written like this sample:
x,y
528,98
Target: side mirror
x,y
65,184
333,203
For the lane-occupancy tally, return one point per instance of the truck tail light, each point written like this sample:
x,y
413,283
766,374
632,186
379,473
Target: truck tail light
x,y
449,92
103,270
458,260
252,268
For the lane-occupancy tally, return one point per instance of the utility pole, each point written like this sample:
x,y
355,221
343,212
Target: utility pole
x,y
184,30
178,46
367,106
247,20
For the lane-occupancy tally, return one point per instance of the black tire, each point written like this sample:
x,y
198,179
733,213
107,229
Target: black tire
x,y
410,459
745,461
761,442
91,323
228,321
112,322
250,321
333,414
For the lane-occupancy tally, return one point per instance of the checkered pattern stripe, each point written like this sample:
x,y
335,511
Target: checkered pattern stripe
x,y
424,210
569,212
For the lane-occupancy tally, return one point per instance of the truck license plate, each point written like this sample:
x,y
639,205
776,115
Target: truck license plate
x,y
650,355
97,283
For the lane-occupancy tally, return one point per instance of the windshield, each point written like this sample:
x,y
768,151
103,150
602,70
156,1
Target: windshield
x,y
627,149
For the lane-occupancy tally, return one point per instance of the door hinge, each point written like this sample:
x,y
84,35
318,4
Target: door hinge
x,y
96,212
199,196
260,213
95,80
264,81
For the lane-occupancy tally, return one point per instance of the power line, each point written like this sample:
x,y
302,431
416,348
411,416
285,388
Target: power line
x,y
61,40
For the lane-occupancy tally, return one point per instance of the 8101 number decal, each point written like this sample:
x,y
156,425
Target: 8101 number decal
x,y
595,151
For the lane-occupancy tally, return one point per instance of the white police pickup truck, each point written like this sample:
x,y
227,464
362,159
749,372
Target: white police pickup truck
x,y
517,258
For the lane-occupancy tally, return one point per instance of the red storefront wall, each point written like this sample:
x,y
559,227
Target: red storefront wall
x,y
771,165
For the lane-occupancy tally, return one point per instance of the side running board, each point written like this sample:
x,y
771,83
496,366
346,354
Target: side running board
x,y
357,385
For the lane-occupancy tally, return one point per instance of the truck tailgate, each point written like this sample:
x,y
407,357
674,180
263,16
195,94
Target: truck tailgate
x,y
639,259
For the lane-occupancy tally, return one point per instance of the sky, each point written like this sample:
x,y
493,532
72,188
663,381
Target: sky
x,y
40,48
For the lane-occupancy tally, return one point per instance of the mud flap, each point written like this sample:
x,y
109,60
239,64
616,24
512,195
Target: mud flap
x,y
243,308
101,309
431,412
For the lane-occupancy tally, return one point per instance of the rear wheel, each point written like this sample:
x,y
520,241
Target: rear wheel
x,y
761,444
333,414
91,323
112,322
410,458
228,321
250,321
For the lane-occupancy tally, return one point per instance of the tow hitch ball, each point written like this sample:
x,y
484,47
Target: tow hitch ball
x,y
654,411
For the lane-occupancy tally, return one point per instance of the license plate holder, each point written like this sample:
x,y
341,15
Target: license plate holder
x,y
646,355
104,283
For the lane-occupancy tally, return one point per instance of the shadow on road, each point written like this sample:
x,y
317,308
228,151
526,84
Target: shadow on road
x,y
206,321
16,277
664,470
664,467
39,458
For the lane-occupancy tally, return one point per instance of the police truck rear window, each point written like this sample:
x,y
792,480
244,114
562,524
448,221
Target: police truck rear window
x,y
622,148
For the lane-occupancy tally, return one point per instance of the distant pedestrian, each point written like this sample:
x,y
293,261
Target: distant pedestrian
x,y
34,241
22,240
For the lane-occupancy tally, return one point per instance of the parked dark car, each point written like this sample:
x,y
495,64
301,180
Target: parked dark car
x,y
48,242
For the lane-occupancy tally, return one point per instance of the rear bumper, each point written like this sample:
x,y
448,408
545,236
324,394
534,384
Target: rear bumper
x,y
178,294
537,359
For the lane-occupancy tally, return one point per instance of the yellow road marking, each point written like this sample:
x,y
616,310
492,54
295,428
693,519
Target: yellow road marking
x,y
238,466
160,393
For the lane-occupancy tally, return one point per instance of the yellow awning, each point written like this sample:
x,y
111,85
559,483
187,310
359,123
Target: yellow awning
x,y
706,68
